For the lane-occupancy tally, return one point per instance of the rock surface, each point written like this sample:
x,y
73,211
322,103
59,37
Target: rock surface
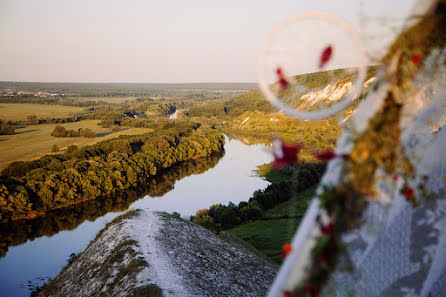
x,y
146,253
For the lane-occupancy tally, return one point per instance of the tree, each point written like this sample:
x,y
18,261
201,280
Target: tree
x,y
32,119
59,131
252,212
6,129
54,148
115,128
229,218
87,132
205,221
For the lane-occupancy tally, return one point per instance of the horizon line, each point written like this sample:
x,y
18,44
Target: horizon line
x,y
80,82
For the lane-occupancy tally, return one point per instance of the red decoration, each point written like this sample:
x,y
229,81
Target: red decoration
x,y
416,59
286,249
395,178
408,192
325,56
327,155
312,290
327,229
281,78
287,293
323,259
285,154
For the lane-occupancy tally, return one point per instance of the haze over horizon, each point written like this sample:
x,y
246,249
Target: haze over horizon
x,y
158,41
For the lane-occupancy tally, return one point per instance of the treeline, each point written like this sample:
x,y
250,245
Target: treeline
x,y
194,90
284,183
68,218
250,101
33,120
79,174
60,131
31,99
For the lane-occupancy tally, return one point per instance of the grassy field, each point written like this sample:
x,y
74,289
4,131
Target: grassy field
x,y
269,235
17,112
32,142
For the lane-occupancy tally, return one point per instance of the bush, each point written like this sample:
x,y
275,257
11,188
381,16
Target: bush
x,y
60,131
115,128
32,120
87,132
205,221
229,218
6,129
251,212
54,148
202,212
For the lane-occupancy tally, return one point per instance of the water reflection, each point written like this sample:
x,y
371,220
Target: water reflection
x,y
69,218
28,261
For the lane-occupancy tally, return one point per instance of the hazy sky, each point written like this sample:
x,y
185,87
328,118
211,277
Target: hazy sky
x,y
157,40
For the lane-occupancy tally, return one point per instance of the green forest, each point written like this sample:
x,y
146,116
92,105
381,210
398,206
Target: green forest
x,y
28,189
17,232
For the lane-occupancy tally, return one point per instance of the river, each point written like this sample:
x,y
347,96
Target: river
x,y
232,179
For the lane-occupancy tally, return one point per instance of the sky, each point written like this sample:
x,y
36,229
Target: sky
x,y
163,41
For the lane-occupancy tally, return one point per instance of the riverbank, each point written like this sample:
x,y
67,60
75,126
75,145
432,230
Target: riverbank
x,y
157,254
29,189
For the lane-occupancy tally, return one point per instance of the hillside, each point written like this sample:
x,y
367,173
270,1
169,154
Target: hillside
x,y
147,253
251,115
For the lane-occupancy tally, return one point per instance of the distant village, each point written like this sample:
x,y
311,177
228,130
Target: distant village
x,y
30,93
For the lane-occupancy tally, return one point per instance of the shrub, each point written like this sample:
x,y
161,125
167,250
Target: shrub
x,y
205,221
6,129
32,120
115,128
215,210
59,131
229,218
54,148
72,149
251,212
87,132
202,212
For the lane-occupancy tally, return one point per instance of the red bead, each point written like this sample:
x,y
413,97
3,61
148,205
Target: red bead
x,y
281,80
408,192
285,154
287,248
312,290
327,229
416,59
325,56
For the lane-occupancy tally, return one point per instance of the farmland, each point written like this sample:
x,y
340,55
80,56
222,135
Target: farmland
x,y
19,112
32,142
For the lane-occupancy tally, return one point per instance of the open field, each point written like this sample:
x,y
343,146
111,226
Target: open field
x,y
17,112
32,142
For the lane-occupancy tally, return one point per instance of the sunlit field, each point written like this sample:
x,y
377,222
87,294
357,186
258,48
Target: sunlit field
x,y
17,112
31,142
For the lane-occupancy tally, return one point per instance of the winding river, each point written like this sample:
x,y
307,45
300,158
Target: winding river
x,y
34,252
